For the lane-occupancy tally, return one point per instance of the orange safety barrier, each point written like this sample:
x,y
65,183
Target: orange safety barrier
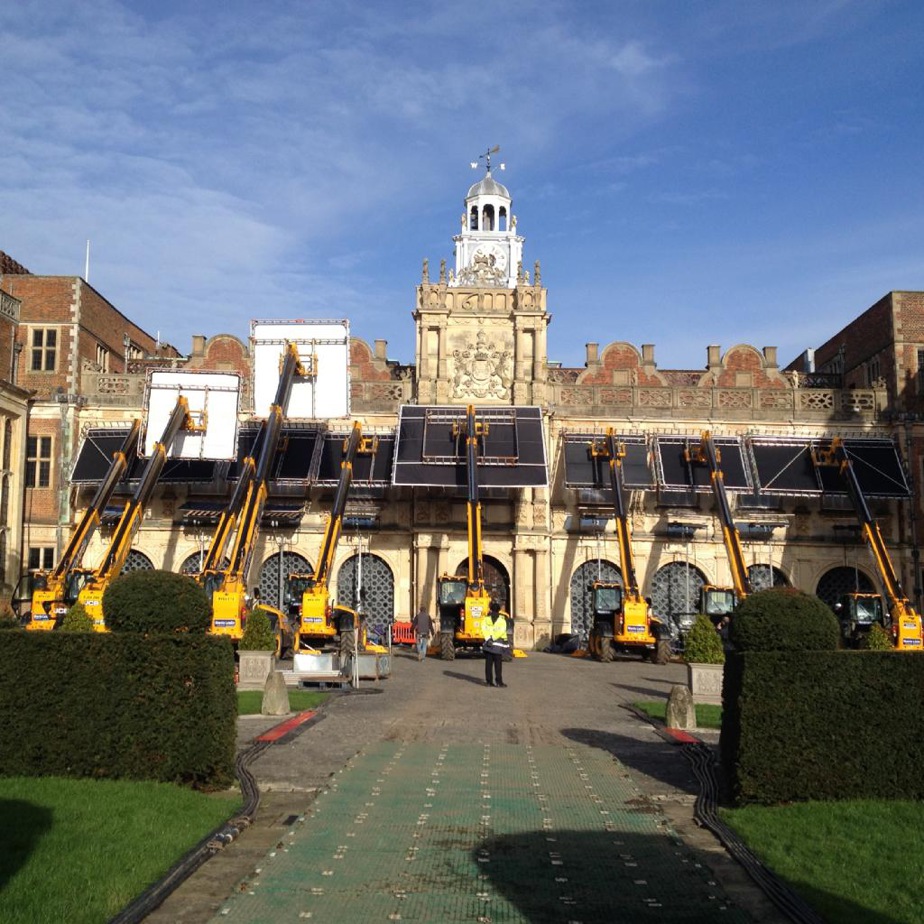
x,y
402,633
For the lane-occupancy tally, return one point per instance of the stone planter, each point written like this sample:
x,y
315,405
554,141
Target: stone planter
x,y
253,668
705,682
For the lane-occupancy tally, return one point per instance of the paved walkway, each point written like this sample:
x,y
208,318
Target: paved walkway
x,y
411,801
490,832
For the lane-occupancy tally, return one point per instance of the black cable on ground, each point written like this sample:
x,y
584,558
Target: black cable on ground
x,y
792,905
142,906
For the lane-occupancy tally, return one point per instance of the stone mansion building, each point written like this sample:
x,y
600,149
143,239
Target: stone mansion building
x,y
73,371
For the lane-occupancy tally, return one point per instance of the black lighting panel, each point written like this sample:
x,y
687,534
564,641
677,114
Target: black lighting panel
x,y
372,469
208,513
582,470
675,472
784,466
95,457
877,465
95,454
297,456
429,454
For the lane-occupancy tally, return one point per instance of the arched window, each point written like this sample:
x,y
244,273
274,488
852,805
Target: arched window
x,y
368,585
582,598
473,220
836,582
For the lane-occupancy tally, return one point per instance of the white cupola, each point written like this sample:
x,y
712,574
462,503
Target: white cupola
x,y
488,251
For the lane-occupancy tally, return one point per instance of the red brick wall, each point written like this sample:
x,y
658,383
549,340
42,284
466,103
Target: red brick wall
x,y
222,353
60,302
364,367
41,504
867,337
620,357
747,359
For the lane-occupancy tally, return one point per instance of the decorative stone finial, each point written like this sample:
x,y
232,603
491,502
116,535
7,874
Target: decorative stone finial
x,y
425,275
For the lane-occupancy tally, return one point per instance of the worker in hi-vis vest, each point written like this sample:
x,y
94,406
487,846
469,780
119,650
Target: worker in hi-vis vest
x,y
495,645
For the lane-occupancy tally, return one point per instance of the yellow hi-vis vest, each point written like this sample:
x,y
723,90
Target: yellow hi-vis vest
x,y
496,627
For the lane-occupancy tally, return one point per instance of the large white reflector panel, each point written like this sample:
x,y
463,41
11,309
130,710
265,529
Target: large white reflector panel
x,y
324,349
213,399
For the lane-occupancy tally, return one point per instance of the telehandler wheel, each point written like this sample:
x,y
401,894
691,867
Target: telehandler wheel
x,y
662,652
447,646
607,651
347,644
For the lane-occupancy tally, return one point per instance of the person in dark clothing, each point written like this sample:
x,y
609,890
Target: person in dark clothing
x,y
495,645
423,626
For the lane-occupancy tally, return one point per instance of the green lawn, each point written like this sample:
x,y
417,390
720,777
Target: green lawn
x,y
81,850
249,702
707,716
857,861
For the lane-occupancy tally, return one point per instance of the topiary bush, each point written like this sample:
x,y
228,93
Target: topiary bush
x,y
76,619
878,638
258,632
8,620
703,645
783,619
156,602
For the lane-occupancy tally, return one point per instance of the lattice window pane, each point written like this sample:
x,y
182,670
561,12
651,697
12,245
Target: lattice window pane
x,y
582,598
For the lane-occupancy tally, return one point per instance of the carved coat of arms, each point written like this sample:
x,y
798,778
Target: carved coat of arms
x,y
481,370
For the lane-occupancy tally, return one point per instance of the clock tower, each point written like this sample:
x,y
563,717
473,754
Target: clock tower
x,y
481,327
488,251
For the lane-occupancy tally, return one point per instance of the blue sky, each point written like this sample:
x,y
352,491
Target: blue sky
x,y
687,173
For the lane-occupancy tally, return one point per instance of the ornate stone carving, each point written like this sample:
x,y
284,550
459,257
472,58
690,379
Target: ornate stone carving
x,y
621,397
484,270
654,397
817,400
114,385
735,399
481,369
776,399
694,398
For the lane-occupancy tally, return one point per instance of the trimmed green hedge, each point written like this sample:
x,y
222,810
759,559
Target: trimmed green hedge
x,y
77,619
823,725
156,601
703,644
118,706
258,632
783,619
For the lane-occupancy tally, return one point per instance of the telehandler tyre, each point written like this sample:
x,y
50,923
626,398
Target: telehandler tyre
x,y
447,646
662,653
347,644
607,651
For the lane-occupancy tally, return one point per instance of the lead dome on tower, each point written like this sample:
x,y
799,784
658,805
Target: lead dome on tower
x,y
488,186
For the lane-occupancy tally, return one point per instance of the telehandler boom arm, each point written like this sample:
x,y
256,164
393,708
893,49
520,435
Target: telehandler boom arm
x,y
906,621
53,593
251,497
610,449
708,453
121,542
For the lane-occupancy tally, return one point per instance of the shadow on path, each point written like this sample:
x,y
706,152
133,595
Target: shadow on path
x,y
652,757
600,877
455,675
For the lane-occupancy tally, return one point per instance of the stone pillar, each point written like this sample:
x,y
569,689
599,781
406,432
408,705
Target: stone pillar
x,y
524,586
542,620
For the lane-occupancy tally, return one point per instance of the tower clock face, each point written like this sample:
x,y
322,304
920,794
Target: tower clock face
x,y
492,250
